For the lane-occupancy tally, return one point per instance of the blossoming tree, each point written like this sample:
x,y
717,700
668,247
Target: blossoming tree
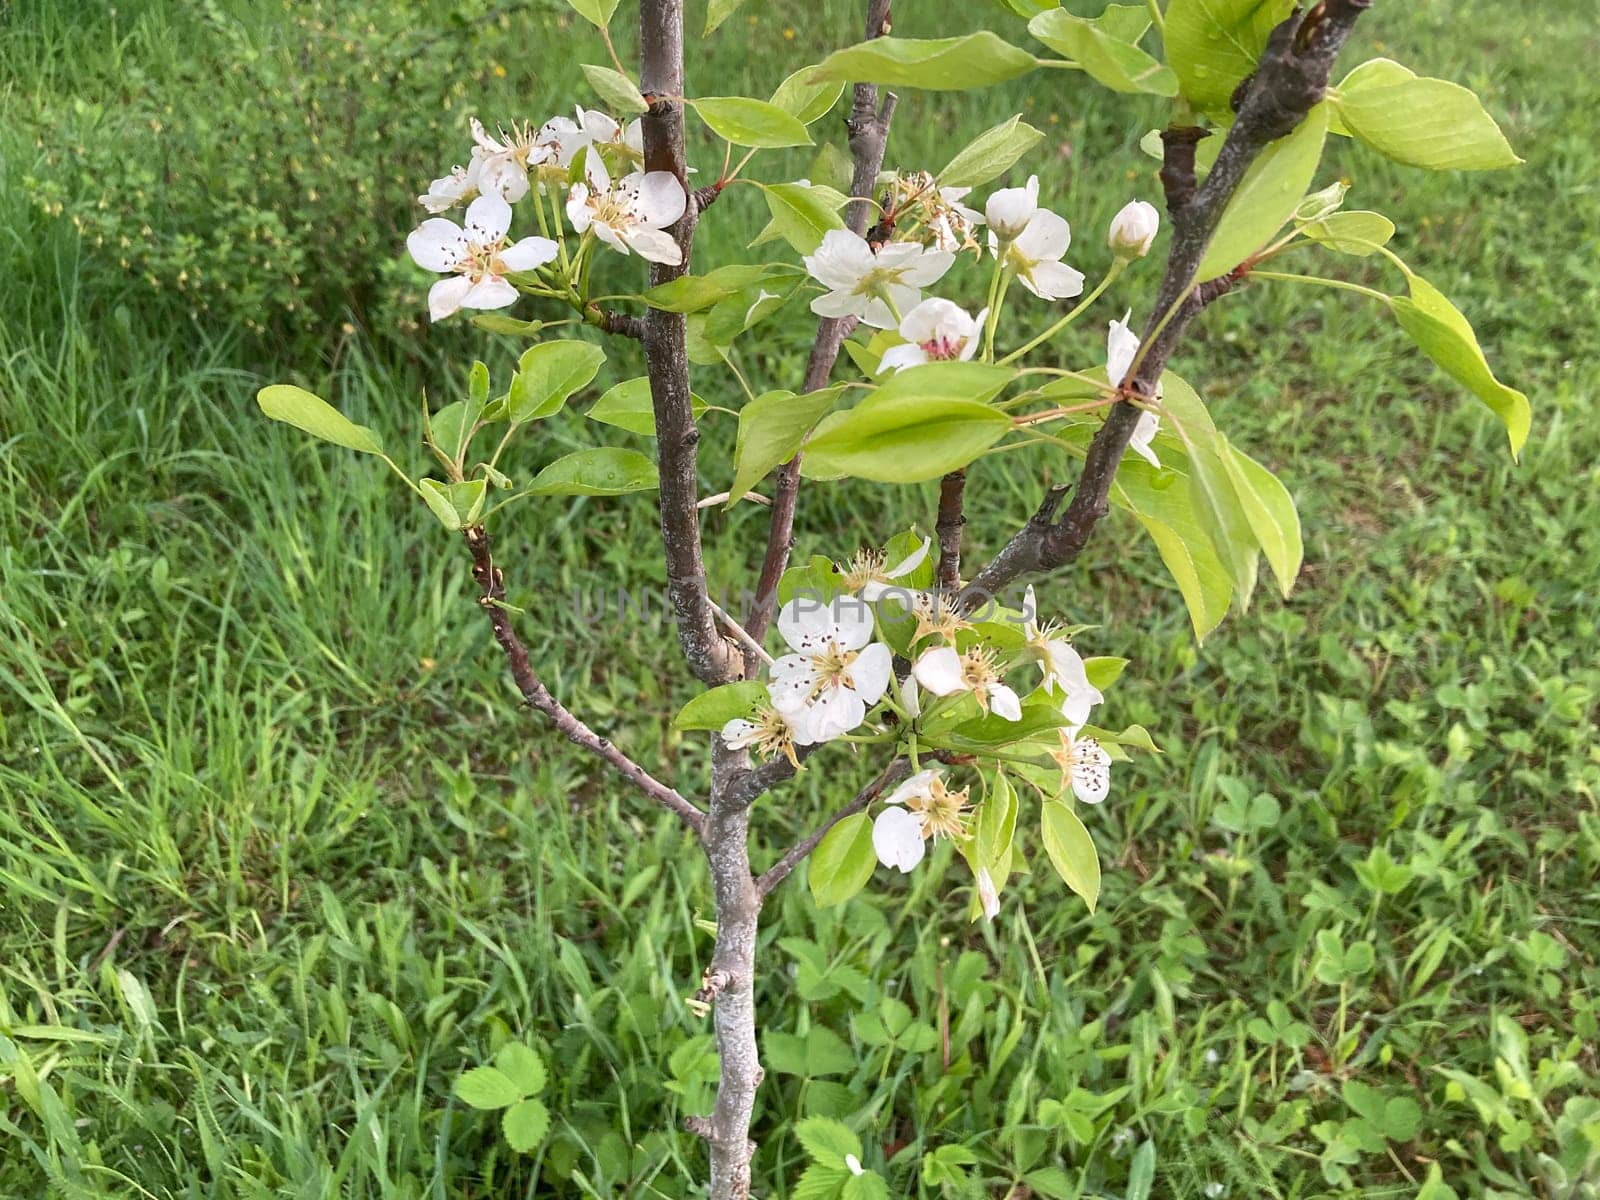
x,y
978,712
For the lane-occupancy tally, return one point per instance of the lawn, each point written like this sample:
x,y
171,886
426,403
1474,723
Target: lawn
x,y
280,856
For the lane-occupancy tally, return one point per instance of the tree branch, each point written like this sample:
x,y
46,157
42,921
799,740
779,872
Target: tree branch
x,y
1291,78
896,771
952,517
712,658
491,598
868,125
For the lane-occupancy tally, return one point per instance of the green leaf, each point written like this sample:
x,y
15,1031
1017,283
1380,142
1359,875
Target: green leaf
x,y
487,1088
1107,60
1435,1188
1428,123
1213,44
1359,233
298,407
718,11
990,155
746,122
457,505
692,293
522,1066
903,439
801,214
997,827
1071,851
1141,1172
525,1125
771,429
596,12
1270,509
601,471
547,374
1445,335
510,326
868,1185
1104,671
804,100
627,405
1267,195
616,91
714,709
449,428
1210,486
827,1141
1125,22
974,60
842,862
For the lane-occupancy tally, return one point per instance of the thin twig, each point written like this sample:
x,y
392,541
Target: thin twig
x,y
738,631
492,598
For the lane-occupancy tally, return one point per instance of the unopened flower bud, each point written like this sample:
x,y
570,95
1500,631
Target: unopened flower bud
x,y
1133,230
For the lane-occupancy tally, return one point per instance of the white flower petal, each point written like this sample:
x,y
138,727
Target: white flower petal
x,y
1030,614
1047,237
870,672
529,253
492,291
852,622
919,784
445,296
1122,346
1143,434
661,198
1090,772
939,670
896,358
652,244
438,244
739,733
928,267
839,304
1053,281
987,896
488,218
834,713
897,839
1003,702
806,623
878,314
840,260
910,562
912,697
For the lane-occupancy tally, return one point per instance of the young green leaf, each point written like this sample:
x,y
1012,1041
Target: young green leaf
x,y
1445,335
627,405
718,11
990,155
522,1065
596,12
842,862
549,373
974,60
298,407
1267,195
457,505
1270,510
903,438
827,1141
1428,123
804,100
1107,60
771,429
746,122
525,1124
714,709
1213,44
1071,851
487,1088
1358,233
600,471
616,91
801,214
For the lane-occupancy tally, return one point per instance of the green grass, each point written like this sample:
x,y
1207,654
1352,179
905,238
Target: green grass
x,y
280,857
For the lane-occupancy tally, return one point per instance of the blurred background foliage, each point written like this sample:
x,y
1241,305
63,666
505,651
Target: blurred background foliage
x,y
280,858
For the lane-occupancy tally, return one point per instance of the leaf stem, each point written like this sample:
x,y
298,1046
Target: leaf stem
x,y
1105,282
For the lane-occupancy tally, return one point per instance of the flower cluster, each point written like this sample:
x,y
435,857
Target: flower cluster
x,y
620,205
838,680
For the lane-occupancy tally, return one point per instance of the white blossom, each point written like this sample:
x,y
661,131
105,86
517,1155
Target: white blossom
x,y
475,258
833,676
944,672
631,215
769,734
458,187
873,287
1122,347
1063,666
935,331
870,576
1035,255
853,1163
919,810
1085,765
1010,209
1134,229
